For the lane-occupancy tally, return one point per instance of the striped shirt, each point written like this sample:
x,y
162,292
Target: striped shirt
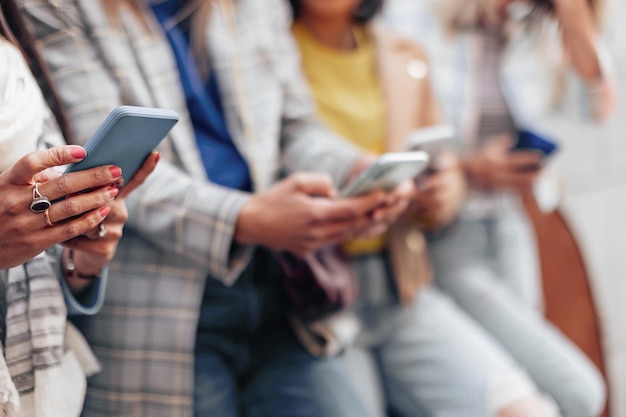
x,y
495,116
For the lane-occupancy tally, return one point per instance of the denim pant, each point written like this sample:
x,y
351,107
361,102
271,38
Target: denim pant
x,y
476,262
248,362
428,359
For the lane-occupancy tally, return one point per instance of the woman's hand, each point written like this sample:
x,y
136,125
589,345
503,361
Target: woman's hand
x,y
301,214
23,233
496,167
93,251
394,204
440,195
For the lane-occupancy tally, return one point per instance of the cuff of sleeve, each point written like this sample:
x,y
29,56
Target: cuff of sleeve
x,y
88,302
230,257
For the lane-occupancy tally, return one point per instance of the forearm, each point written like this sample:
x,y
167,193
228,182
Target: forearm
x,y
580,37
192,218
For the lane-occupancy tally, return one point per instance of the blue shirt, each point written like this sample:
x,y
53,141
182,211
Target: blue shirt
x,y
223,163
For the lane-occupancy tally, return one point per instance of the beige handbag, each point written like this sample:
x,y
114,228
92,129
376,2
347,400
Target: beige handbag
x,y
408,252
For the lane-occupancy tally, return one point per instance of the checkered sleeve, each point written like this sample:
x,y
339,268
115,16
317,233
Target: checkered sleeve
x,y
171,210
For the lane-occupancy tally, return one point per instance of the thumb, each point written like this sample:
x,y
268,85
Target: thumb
x,y
142,174
312,184
28,166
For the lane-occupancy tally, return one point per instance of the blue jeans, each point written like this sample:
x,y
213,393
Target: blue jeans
x,y
249,363
477,263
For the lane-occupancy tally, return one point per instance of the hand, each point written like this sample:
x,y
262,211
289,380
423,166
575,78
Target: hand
x,y
24,234
496,167
91,252
440,195
395,204
300,214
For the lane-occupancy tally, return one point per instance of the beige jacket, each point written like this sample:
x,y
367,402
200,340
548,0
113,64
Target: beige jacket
x,y
404,74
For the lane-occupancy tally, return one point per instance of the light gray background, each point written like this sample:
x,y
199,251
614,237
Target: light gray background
x,y
593,164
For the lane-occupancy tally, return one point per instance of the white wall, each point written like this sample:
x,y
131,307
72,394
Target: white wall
x,y
594,165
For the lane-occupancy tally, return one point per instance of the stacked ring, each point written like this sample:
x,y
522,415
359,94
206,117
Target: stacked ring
x,y
40,203
46,218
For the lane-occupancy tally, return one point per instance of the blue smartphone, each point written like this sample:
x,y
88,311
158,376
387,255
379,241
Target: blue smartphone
x,y
530,141
126,138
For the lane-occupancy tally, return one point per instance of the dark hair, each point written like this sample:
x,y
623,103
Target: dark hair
x,y
367,10
13,27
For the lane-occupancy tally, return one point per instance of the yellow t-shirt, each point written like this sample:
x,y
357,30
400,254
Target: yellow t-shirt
x,y
349,99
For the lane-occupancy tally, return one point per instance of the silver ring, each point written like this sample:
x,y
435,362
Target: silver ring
x,y
102,232
40,202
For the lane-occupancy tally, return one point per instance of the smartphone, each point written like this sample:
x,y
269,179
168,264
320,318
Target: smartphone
x,y
531,141
433,140
126,138
390,170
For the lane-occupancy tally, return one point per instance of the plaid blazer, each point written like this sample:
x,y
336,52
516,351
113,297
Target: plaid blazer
x,y
181,225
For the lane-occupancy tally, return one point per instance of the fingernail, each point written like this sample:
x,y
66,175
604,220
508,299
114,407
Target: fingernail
x,y
113,191
119,183
104,211
158,158
116,172
78,153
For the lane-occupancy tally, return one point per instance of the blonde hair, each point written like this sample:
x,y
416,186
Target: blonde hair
x,y
195,13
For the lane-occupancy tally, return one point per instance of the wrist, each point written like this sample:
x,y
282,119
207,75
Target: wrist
x,y
79,275
247,223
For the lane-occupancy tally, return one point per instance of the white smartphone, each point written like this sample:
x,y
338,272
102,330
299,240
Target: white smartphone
x,y
390,170
433,140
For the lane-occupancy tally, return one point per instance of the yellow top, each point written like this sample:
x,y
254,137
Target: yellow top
x,y
349,99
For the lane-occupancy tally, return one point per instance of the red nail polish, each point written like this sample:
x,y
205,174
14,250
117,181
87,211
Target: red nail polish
x,y
158,158
78,153
116,172
113,191
104,211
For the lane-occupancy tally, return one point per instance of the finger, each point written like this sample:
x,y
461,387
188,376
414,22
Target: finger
x,y
46,175
518,179
448,159
337,232
523,159
81,203
313,184
73,228
348,208
119,212
146,169
27,167
391,213
98,247
404,191
80,181
91,243
372,230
